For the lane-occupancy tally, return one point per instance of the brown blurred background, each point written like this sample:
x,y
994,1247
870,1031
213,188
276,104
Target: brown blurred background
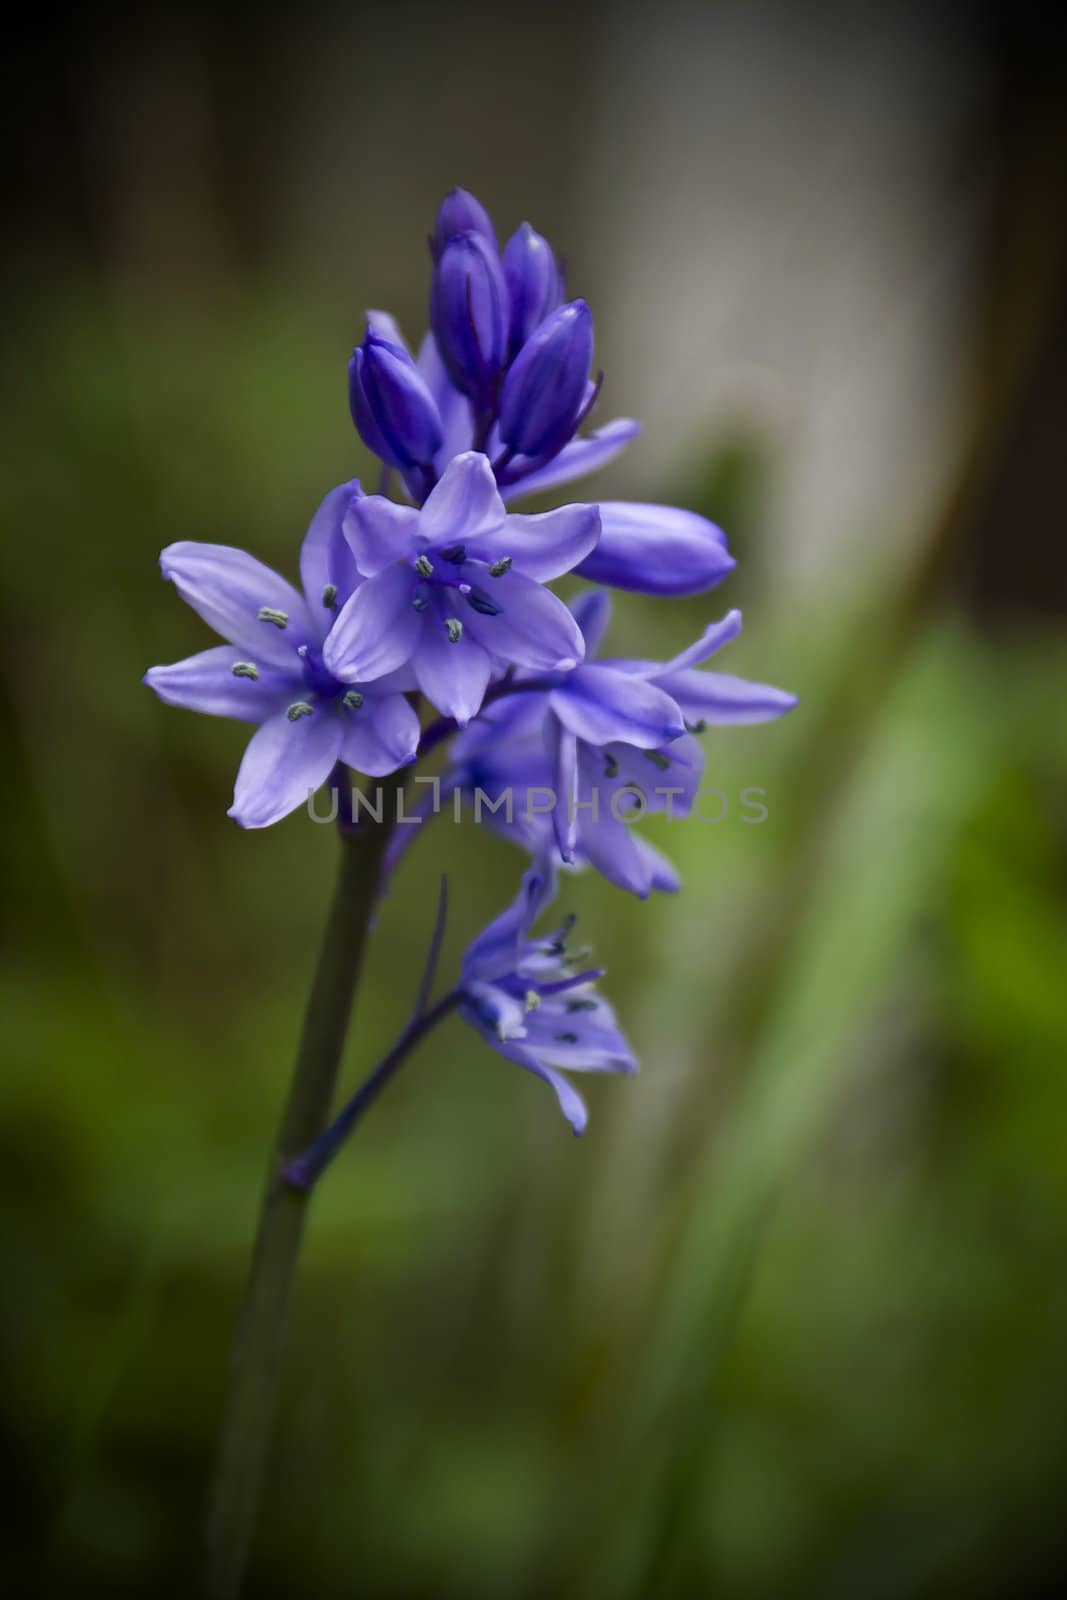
x,y
789,1320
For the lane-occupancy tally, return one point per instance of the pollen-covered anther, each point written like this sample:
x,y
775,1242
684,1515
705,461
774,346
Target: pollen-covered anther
x,y
658,759
280,619
245,669
454,628
352,699
329,597
298,709
531,1000
423,566
498,568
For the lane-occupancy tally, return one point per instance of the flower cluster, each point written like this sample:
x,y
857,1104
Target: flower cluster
x,y
442,592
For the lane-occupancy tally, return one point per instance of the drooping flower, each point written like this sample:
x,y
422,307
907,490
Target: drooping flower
x,y
526,1000
455,587
272,670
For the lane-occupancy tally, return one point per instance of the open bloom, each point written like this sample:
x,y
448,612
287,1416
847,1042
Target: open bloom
x,y
526,1000
456,587
272,671
590,751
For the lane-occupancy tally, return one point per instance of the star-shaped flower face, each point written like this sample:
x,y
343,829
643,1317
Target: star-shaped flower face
x,y
527,1001
273,670
456,588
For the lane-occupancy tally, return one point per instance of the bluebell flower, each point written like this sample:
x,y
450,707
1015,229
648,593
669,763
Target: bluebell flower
x,y
598,734
533,280
526,1000
455,588
392,407
272,671
545,388
469,315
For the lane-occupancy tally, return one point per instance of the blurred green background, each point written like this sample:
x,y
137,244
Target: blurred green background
x,y
790,1319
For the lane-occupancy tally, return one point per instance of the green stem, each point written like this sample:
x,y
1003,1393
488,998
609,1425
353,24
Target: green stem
x,y
260,1335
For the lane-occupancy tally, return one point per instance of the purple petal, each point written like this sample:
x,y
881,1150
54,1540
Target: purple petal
x,y
577,458
284,763
228,588
551,544
453,676
377,630
386,326
454,407
465,503
591,610
723,700
534,629
495,950
325,560
206,682
657,550
600,706
379,532
614,851
562,748
381,736
570,1101
596,1048
663,874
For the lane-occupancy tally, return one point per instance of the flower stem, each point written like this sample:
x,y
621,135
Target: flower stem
x,y
260,1335
304,1172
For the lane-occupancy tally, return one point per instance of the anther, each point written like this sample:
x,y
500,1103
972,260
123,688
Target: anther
x,y
696,727
280,619
531,1000
498,568
423,566
483,603
611,766
567,1038
352,699
456,553
658,759
455,629
420,602
298,709
245,669
581,1005
329,597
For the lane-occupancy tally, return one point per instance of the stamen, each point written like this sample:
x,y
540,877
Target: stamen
x,y
658,759
420,602
567,1038
298,709
498,568
329,597
532,1000
456,553
696,727
280,619
483,603
455,629
352,699
423,566
581,1005
611,766
245,669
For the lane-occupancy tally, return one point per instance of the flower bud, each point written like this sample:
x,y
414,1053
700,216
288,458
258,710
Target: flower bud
x,y
545,388
469,314
532,280
460,212
394,411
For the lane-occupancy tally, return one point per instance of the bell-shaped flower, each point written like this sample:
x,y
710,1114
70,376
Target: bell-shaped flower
x,y
469,315
272,669
392,407
525,998
545,387
455,589
533,281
